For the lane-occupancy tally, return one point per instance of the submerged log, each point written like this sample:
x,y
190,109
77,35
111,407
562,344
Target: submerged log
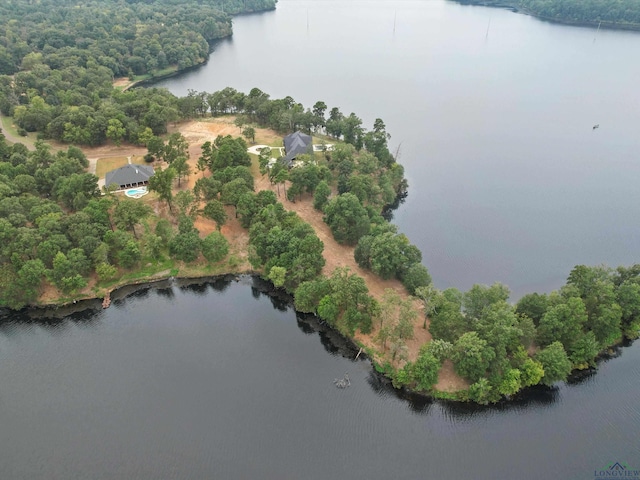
x,y
342,382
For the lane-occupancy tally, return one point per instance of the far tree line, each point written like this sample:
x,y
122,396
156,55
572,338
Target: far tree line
x,y
610,13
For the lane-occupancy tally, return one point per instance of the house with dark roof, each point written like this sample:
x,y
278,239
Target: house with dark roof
x,y
296,144
131,175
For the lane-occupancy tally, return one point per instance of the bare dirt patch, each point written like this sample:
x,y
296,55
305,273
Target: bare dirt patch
x,y
335,254
122,83
449,380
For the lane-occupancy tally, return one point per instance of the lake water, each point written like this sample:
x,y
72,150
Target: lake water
x,y
221,381
492,113
508,182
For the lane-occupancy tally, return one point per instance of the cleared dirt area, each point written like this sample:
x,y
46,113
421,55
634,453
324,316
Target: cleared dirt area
x,y
335,254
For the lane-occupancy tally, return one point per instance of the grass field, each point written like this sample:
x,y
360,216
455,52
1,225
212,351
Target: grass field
x,y
107,164
7,126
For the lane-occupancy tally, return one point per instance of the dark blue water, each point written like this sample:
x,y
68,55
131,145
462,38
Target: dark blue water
x,y
508,180
220,381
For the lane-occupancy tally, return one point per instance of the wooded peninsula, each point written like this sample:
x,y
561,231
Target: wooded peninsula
x,y
621,14
312,225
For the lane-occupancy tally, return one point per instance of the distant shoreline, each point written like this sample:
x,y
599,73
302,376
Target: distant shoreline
x,y
515,7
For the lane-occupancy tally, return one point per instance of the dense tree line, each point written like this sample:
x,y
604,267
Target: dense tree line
x,y
342,300
58,60
57,229
124,36
619,13
501,348
611,13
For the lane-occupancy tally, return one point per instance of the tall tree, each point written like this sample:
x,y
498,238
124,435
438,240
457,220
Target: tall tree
x,y
214,210
128,213
555,363
162,183
347,218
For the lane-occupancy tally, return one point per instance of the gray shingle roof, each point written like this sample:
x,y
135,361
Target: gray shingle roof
x,y
295,144
129,174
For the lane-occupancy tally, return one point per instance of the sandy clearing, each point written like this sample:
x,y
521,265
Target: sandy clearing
x,y
336,255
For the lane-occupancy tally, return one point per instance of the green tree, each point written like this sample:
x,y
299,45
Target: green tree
x,y
584,350
130,255
185,201
27,285
162,183
628,297
232,192
308,294
106,271
164,231
249,133
64,276
562,323
392,255
181,167
417,276
531,372
128,213
115,131
347,218
215,247
153,245
426,294
277,275
155,146
481,391
176,147
321,195
328,309
263,160
207,188
447,321
425,370
215,211
481,297
471,356
440,349
511,382
279,175
185,246
533,305
555,363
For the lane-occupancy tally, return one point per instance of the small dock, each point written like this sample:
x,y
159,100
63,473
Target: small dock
x,y
106,301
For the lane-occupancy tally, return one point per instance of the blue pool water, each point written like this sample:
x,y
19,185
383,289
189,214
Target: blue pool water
x,y
136,191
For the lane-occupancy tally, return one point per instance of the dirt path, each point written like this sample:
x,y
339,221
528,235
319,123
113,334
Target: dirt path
x,y
12,138
335,254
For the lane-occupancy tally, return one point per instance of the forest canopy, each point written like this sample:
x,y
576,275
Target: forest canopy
x,y
124,36
610,13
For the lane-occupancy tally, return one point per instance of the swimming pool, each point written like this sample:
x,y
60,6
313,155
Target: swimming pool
x,y
136,192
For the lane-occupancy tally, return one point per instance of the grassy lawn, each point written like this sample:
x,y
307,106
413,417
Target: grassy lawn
x,y
107,164
155,73
7,126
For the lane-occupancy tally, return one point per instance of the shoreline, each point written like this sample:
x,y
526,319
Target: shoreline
x,y
515,8
348,346
157,78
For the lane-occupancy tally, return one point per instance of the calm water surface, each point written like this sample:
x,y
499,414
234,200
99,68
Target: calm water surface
x,y
508,181
213,381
